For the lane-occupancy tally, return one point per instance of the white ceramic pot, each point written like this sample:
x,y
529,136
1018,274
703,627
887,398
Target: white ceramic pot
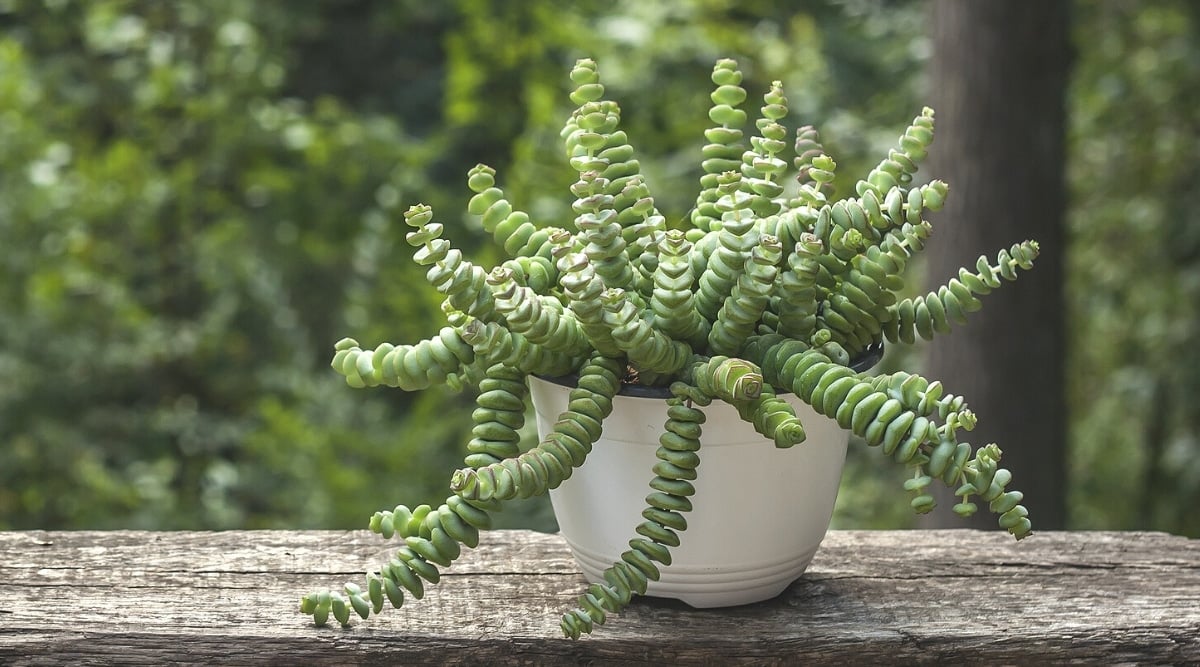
x,y
759,513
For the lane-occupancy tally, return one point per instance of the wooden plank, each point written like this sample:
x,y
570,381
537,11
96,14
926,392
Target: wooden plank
x,y
888,596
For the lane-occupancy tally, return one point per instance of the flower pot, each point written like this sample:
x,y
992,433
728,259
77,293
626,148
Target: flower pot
x,y
759,512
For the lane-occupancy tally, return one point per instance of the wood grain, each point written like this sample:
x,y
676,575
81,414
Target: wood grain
x,y
890,597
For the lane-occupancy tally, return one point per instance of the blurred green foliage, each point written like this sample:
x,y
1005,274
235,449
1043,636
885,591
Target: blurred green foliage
x,y
184,240
1134,267
197,198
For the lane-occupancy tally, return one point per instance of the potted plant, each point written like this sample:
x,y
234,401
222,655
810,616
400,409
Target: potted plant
x,y
770,302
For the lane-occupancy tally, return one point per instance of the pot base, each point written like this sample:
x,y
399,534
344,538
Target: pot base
x,y
705,588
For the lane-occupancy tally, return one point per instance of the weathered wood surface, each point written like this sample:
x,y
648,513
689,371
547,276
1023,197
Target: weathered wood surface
x,y
950,597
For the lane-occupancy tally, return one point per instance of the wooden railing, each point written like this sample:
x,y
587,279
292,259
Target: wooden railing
x,y
892,597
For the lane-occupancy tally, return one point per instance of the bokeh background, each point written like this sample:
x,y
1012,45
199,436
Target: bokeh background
x,y
199,197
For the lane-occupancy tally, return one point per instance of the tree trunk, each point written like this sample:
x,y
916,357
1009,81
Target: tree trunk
x,y
999,78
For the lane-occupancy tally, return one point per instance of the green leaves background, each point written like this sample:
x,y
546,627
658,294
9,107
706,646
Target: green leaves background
x,y
195,200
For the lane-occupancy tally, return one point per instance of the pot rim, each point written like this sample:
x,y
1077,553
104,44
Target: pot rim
x,y
865,361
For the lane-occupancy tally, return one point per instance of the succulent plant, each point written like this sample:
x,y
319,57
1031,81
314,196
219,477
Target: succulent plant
x,y
769,285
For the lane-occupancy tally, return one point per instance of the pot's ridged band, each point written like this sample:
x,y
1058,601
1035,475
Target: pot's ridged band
x,y
701,587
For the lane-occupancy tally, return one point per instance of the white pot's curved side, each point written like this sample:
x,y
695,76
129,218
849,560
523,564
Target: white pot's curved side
x,y
759,513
